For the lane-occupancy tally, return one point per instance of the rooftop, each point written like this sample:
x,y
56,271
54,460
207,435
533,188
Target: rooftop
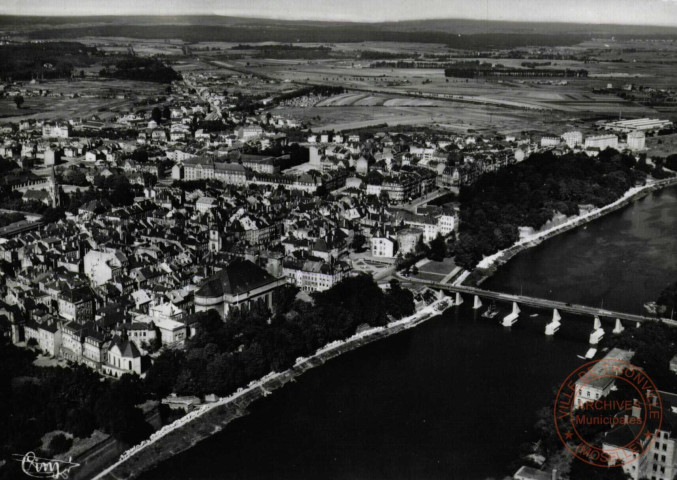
x,y
239,277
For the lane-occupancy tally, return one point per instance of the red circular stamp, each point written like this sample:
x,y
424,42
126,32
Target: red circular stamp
x,y
608,412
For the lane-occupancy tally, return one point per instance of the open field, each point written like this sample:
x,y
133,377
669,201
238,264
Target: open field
x,y
170,47
95,97
661,146
575,96
369,100
398,96
460,118
618,63
417,96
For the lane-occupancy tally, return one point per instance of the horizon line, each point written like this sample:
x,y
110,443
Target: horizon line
x,y
309,19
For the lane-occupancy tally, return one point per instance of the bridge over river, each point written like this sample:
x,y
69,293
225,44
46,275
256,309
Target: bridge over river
x,y
542,302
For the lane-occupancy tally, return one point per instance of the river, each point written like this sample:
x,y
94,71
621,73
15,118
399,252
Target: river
x,y
623,259
455,397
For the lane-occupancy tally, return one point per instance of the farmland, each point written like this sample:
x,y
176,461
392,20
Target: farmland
x,y
392,96
101,97
460,118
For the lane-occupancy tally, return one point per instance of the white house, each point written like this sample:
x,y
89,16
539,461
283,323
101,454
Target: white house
x,y
382,247
122,357
204,204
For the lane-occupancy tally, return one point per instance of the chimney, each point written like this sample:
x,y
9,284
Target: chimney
x,y
554,474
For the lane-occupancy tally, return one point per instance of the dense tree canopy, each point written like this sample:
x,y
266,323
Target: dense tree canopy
x,y
145,69
250,343
37,400
531,192
667,300
117,189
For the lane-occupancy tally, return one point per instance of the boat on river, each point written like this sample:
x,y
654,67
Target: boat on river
x,y
589,354
490,312
443,304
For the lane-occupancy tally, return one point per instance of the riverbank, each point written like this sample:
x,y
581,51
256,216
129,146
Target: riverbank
x,y
488,265
211,418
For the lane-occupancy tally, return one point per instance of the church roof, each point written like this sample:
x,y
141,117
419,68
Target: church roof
x,y
239,277
127,348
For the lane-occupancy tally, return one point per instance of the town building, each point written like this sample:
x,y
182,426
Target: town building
x,y
314,275
593,385
122,357
56,130
238,285
637,141
76,304
573,139
383,247
658,460
47,335
601,142
205,204
549,142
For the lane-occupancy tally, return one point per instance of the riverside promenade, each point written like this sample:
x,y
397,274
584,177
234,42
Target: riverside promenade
x,y
502,257
211,418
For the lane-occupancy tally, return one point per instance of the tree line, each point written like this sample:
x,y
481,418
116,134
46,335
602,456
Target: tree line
x,y
143,69
530,193
38,400
224,356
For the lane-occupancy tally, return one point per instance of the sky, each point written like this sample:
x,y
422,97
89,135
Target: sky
x,y
640,12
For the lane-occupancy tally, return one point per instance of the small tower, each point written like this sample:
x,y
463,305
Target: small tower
x,y
215,239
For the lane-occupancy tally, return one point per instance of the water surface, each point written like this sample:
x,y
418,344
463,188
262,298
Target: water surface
x,y
455,397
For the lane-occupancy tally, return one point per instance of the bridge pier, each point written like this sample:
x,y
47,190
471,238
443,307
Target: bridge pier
x,y
540,303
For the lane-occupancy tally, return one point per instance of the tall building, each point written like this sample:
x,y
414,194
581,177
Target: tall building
x,y
315,156
636,141
659,460
573,139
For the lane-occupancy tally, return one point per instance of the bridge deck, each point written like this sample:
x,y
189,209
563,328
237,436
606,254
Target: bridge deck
x,y
544,303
